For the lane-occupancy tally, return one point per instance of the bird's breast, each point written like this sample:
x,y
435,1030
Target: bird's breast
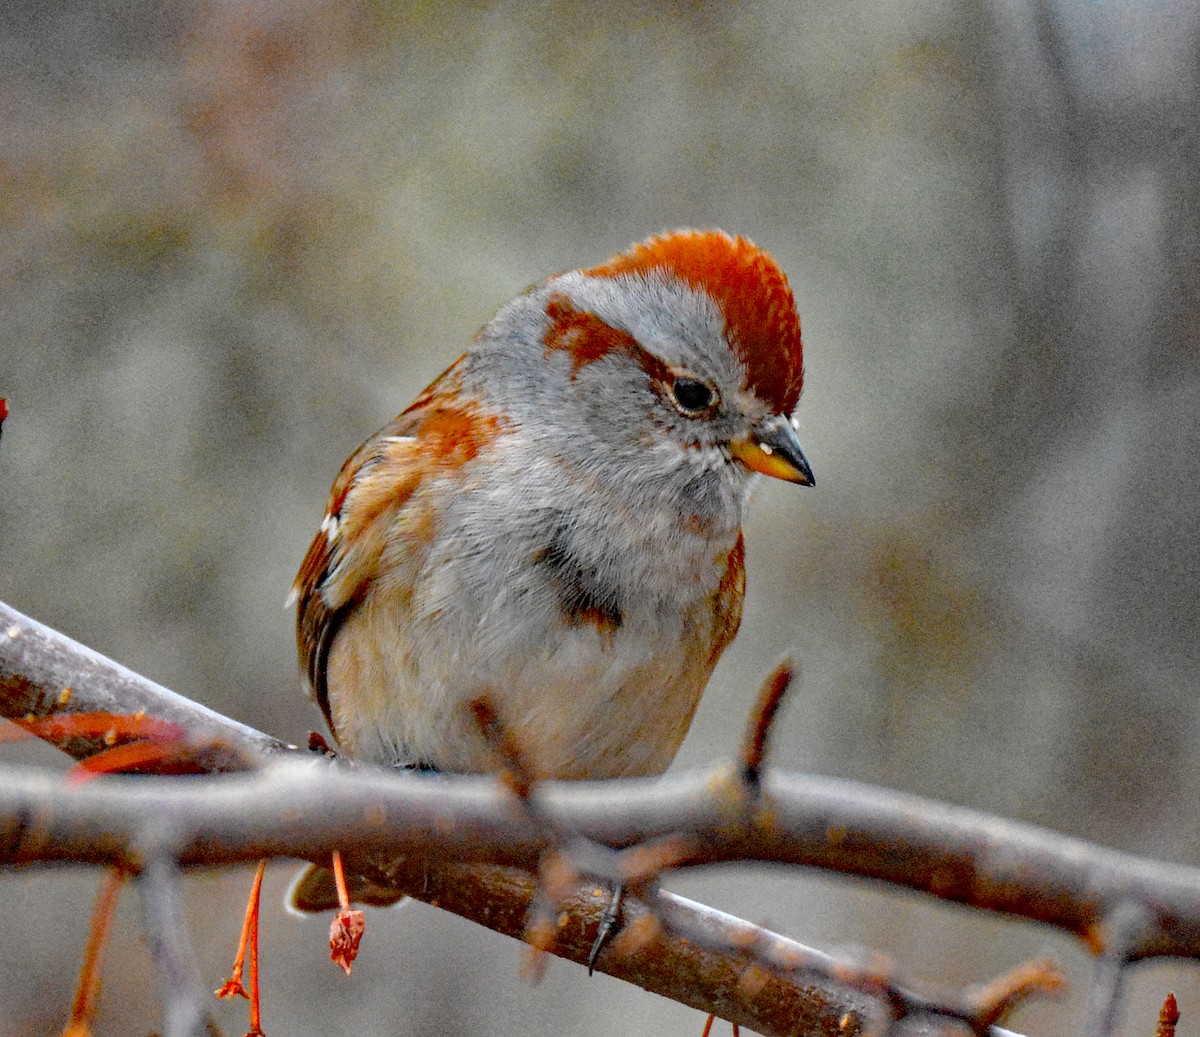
x,y
593,625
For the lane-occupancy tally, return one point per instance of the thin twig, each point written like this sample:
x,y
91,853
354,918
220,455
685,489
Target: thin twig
x,y
255,998
994,1002
641,866
184,1011
1124,926
1168,1017
516,768
762,716
247,953
87,993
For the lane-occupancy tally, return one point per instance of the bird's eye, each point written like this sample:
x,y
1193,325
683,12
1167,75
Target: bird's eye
x,y
693,397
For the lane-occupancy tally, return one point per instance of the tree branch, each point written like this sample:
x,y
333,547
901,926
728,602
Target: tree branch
x,y
399,827
307,808
44,673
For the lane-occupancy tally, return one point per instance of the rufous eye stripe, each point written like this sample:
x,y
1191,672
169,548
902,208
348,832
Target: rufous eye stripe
x,y
586,338
761,323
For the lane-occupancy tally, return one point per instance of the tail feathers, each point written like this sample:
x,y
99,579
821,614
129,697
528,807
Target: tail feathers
x,y
314,891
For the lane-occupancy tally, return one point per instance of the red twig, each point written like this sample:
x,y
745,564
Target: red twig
x,y
762,716
248,952
1168,1017
87,993
346,929
993,1003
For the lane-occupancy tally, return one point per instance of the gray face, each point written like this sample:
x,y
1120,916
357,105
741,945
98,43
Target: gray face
x,y
648,394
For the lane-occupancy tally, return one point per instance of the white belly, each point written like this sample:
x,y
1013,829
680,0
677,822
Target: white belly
x,y
583,702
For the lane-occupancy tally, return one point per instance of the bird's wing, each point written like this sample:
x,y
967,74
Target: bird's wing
x,y
438,434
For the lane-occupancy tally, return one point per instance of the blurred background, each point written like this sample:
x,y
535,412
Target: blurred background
x,y
236,238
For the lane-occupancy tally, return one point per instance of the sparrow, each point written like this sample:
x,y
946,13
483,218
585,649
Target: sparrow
x,y
557,522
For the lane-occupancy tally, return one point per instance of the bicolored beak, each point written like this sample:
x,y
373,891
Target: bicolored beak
x,y
771,447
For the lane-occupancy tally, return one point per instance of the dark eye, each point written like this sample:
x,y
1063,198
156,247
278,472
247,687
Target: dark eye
x,y
692,396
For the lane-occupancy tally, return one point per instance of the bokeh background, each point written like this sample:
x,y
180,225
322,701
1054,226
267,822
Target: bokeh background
x,y
235,238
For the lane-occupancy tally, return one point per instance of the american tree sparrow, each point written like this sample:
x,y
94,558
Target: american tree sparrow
x,y
557,521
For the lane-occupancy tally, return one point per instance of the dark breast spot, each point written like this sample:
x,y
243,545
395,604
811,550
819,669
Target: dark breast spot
x,y
583,597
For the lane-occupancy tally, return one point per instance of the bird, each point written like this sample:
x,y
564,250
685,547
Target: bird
x,y
556,521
